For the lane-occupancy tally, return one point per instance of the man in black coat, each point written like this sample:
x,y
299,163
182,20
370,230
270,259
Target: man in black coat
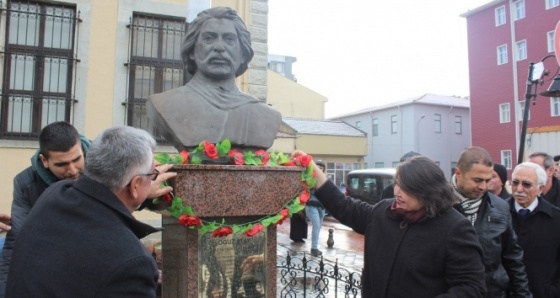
x,y
82,240
551,190
536,222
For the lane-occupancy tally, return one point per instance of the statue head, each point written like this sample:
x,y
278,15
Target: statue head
x,y
194,29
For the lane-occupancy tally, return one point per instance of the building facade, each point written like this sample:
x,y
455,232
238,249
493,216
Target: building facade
x,y
436,126
504,37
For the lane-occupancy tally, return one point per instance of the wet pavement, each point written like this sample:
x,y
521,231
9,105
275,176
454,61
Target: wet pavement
x,y
348,248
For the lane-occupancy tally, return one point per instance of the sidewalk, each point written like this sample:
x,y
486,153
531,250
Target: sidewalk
x,y
348,248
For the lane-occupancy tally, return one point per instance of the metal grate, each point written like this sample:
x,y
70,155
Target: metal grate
x,y
39,63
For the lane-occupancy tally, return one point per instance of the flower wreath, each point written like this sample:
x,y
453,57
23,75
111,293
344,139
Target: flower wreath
x,y
188,218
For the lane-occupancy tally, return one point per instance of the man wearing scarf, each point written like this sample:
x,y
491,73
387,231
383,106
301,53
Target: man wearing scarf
x,y
490,216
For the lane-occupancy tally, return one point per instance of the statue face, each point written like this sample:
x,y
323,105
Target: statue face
x,y
217,51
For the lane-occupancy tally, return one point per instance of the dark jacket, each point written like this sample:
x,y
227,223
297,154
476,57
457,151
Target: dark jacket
x,y
539,236
29,184
553,195
437,257
504,194
82,242
503,257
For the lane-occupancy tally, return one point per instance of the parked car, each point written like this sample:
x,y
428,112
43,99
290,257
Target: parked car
x,y
368,184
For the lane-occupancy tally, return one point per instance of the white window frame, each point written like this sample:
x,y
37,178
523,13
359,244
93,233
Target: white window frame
x,y
519,10
358,124
521,50
500,15
502,55
505,113
506,158
458,125
522,111
550,41
555,106
552,3
375,127
394,124
437,123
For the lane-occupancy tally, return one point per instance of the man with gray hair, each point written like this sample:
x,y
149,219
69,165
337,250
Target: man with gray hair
x,y
83,240
551,190
536,222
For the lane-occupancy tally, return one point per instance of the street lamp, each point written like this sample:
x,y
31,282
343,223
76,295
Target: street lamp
x,y
417,141
536,74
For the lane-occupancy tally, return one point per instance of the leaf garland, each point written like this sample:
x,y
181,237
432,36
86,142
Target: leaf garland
x,y
186,215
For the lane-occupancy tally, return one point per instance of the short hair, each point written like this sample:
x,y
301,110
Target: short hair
x,y
541,174
415,173
474,155
548,160
118,154
57,137
193,32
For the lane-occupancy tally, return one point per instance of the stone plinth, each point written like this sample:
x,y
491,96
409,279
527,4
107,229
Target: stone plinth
x,y
238,194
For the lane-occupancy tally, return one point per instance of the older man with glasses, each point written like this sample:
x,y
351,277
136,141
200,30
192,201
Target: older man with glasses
x,y
536,222
83,240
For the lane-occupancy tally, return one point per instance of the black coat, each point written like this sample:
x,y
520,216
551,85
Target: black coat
x,y
539,235
79,240
503,256
439,257
553,195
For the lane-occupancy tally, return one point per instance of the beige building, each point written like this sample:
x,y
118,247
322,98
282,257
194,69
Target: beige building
x,y
93,64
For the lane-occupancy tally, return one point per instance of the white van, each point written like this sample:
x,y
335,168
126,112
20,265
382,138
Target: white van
x,y
368,184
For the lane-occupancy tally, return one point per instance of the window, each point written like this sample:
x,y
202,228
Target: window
x,y
277,66
379,164
555,106
504,113
521,53
500,15
522,110
394,124
155,63
453,167
458,125
375,127
437,123
39,66
339,170
502,54
358,124
506,158
395,164
519,9
552,3
550,40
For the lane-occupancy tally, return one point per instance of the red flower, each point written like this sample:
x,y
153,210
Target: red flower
x,y
168,198
189,221
236,157
210,150
290,163
185,155
222,232
255,230
263,155
284,213
304,196
304,160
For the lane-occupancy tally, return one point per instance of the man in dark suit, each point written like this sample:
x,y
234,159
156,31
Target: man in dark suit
x,y
536,222
83,240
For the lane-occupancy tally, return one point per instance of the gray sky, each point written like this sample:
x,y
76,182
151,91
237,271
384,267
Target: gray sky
x,y
364,53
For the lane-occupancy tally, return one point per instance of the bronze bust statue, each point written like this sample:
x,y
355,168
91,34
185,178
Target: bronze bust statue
x,y
216,49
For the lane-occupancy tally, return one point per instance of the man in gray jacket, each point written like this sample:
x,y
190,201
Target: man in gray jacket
x,y
490,216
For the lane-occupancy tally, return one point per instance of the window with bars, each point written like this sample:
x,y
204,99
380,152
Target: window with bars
x,y
155,63
39,65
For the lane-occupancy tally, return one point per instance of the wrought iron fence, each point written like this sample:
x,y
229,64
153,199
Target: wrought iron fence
x,y
302,277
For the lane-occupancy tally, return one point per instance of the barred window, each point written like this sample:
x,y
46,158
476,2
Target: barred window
x,y
39,63
155,63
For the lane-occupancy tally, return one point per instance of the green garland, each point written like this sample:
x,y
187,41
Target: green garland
x,y
186,215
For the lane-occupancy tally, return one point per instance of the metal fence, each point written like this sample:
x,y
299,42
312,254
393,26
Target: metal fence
x,y
302,277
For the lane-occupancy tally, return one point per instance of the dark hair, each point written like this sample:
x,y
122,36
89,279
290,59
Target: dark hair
x,y
548,160
217,13
422,178
58,136
474,155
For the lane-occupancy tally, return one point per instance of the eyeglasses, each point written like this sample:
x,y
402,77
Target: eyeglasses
x,y
153,175
525,184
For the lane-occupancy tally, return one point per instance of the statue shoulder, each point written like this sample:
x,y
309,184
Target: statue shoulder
x,y
173,94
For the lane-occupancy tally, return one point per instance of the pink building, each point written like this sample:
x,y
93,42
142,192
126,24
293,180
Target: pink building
x,y
504,37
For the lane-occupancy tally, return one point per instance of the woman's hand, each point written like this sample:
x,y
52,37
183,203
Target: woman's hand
x,y
5,222
320,176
